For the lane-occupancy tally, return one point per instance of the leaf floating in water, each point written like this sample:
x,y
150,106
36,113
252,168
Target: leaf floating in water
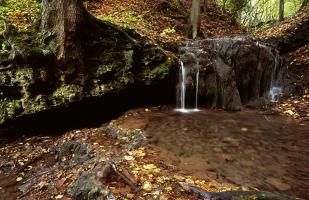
x,y
244,129
19,179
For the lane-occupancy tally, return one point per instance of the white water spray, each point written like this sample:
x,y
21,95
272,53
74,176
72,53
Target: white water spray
x,y
183,78
184,70
275,91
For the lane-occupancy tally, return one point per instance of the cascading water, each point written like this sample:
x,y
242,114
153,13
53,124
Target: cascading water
x,y
275,90
197,83
182,76
227,73
191,54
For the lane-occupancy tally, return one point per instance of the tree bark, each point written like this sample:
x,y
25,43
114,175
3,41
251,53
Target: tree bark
x,y
305,2
195,20
281,10
64,27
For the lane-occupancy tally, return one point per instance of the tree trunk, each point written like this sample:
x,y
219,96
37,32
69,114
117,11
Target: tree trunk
x,y
195,20
63,25
281,10
305,2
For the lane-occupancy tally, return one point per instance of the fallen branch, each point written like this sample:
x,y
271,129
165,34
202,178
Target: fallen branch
x,y
229,195
33,160
126,177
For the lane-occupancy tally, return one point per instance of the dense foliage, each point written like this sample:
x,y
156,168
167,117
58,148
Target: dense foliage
x,y
252,13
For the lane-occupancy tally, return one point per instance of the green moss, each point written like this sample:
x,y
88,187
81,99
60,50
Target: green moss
x,y
9,108
39,103
98,89
67,93
126,19
128,55
163,70
24,76
103,69
250,197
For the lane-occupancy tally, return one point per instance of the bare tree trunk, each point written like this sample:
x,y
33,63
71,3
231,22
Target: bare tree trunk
x,y
223,5
64,27
305,2
195,18
205,6
281,10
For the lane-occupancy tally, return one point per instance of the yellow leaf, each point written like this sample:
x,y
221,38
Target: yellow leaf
x,y
128,158
147,186
19,179
59,196
244,129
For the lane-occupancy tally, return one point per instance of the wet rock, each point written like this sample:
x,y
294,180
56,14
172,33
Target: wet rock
x,y
72,152
232,72
136,138
89,185
90,65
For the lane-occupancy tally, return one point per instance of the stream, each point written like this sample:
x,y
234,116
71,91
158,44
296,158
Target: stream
x,y
245,148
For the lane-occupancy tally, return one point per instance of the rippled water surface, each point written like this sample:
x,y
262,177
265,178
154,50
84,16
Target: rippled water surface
x,y
244,148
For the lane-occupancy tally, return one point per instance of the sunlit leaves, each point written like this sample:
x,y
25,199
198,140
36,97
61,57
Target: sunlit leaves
x,y
21,13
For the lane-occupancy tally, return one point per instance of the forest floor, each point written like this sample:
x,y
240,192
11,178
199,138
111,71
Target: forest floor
x,y
163,20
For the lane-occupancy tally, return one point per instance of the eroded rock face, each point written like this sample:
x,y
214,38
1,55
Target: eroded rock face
x,y
233,71
116,60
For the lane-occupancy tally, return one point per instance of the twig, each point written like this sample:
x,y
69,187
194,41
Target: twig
x,y
30,179
6,68
33,160
126,177
37,175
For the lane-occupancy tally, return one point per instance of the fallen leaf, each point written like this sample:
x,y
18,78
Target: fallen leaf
x,y
59,196
19,179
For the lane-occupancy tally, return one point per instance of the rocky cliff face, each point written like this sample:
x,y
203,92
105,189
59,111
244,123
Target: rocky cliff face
x,y
115,60
233,71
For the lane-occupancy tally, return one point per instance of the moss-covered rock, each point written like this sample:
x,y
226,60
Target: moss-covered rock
x,y
116,61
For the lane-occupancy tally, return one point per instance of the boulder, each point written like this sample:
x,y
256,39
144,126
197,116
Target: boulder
x,y
90,59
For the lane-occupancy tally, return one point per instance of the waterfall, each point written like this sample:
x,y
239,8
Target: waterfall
x,y
227,73
197,67
189,66
182,77
275,90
